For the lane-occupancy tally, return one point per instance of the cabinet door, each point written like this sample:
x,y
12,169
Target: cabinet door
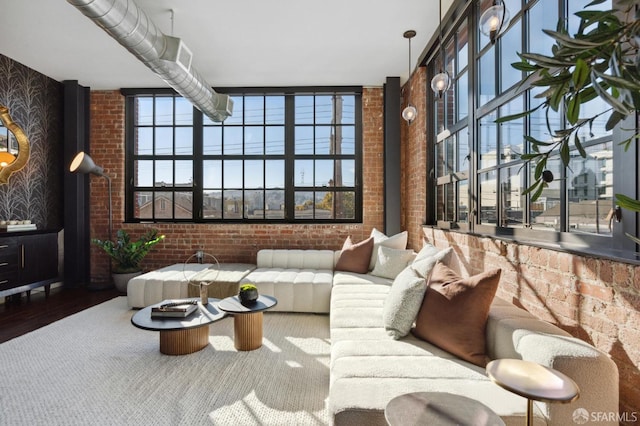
x,y
9,263
39,257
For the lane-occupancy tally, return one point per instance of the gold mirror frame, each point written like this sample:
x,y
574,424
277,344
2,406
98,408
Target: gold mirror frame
x,y
23,146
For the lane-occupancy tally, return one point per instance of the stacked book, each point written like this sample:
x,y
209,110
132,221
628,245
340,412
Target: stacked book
x,y
174,308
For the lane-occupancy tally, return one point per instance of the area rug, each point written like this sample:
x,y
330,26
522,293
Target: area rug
x,y
95,368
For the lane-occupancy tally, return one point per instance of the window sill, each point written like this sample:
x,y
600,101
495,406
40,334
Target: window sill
x,y
580,249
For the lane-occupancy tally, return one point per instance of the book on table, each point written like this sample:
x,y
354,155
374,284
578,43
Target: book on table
x,y
174,308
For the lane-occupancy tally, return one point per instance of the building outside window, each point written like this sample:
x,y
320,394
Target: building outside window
x,y
283,156
478,175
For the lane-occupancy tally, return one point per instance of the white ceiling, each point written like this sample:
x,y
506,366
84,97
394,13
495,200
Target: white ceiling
x,y
234,43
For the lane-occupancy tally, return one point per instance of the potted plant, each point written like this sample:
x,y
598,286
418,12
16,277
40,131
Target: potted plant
x,y
127,255
248,294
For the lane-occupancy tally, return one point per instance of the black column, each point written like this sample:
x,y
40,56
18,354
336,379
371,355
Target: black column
x,y
392,200
76,186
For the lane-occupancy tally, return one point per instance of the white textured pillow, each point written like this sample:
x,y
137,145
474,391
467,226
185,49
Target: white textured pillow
x,y
403,302
423,265
391,262
398,241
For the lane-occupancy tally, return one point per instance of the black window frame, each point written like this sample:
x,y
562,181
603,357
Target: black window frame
x,y
289,157
616,245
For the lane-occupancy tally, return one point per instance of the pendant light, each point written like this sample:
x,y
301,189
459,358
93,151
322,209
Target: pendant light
x,y
410,112
494,20
441,82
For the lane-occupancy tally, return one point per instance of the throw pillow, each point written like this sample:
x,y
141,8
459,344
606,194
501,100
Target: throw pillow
x,y
423,265
355,257
391,261
454,312
403,302
398,241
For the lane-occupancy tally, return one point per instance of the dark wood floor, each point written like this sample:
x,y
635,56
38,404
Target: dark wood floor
x,y
21,317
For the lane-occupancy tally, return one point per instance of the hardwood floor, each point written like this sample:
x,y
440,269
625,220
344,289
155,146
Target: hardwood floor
x,y
18,318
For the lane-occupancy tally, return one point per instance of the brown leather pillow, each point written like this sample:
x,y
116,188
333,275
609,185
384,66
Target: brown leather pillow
x,y
454,312
355,257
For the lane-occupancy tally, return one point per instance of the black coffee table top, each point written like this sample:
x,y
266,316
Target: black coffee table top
x,y
202,316
232,305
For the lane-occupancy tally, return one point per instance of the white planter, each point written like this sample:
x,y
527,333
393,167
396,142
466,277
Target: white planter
x,y
121,280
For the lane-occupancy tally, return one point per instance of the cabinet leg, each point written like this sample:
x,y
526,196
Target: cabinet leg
x,y
47,289
28,295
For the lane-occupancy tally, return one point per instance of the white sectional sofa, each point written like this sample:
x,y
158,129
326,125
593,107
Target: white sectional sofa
x,y
369,367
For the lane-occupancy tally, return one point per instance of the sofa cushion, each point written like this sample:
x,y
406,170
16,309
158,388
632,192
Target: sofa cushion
x,y
391,262
454,312
423,263
355,257
297,290
397,241
403,302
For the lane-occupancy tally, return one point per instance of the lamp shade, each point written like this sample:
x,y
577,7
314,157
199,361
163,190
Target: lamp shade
x,y
82,163
440,83
494,20
409,113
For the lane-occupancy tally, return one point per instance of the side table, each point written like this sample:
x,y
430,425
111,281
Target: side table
x,y
532,381
180,336
247,320
438,409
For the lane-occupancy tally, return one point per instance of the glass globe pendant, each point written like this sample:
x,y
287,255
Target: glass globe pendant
x,y
440,83
494,20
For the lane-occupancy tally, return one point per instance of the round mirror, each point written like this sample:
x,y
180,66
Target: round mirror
x,y
14,146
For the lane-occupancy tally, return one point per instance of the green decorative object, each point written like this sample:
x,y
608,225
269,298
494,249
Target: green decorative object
x,y
248,294
127,254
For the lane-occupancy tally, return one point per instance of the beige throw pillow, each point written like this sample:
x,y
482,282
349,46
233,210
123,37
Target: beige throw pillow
x,y
403,302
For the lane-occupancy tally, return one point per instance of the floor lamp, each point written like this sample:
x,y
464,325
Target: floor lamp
x,y
82,163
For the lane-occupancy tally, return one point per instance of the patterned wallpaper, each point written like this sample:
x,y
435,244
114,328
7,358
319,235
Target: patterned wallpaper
x,y
35,104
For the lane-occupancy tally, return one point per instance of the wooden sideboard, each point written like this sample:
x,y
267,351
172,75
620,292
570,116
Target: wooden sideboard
x,y
28,259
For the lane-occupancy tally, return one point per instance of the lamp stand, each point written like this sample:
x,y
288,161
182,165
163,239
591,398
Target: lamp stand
x,y
105,285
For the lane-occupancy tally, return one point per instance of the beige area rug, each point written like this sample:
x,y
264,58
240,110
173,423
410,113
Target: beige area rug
x,y
95,368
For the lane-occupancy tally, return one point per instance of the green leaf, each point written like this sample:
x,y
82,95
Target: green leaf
x,y
524,66
618,81
546,61
578,144
628,203
614,119
569,41
517,116
556,98
535,141
580,74
573,108
564,153
606,96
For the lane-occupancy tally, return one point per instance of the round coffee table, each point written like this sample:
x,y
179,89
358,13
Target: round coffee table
x,y
247,320
532,381
181,336
439,409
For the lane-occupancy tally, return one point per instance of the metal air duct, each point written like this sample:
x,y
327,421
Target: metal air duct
x,y
166,56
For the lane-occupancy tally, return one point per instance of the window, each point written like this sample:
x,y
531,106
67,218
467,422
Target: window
x,y
283,156
479,176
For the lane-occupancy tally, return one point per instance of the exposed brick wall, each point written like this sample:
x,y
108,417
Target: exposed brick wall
x,y
228,242
413,159
596,300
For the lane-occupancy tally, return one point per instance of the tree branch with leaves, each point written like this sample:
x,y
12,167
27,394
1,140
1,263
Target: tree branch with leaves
x,y
602,60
